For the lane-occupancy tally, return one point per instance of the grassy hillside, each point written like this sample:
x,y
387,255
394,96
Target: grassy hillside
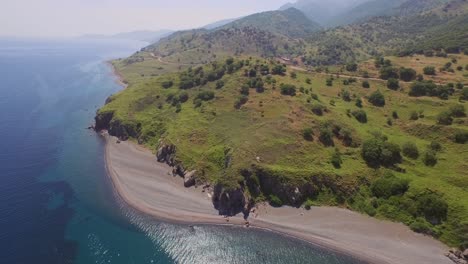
x,y
289,136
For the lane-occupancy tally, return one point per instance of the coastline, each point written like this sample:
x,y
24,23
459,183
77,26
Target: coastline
x,y
119,79
149,187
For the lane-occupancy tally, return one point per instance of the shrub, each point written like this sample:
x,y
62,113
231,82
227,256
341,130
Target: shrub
x,y
167,84
360,116
457,110
336,160
435,146
351,67
318,109
461,137
326,137
359,102
393,84
308,134
422,88
407,74
308,204
345,95
293,75
240,101
183,97
389,185
414,115
278,69
389,121
459,86
275,201
432,207
377,99
388,72
464,94
378,152
288,89
329,82
430,158
429,70
410,150
308,81
206,95
197,103
365,84
420,225
244,90
395,115
219,84
445,118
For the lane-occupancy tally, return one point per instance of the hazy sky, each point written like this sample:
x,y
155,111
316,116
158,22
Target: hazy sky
x,y
76,17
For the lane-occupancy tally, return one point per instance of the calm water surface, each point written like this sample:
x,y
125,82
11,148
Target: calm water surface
x,y
56,204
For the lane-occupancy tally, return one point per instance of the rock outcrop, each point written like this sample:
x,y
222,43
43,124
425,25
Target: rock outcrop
x,y
166,153
231,202
457,256
190,178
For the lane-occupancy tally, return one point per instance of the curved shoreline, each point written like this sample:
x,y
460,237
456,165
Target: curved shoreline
x,y
146,185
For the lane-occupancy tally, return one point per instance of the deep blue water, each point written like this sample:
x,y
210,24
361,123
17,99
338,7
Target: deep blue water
x,y
56,203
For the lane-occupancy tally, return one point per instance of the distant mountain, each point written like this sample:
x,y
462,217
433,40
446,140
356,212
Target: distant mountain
x,y
274,33
142,35
290,22
323,11
220,23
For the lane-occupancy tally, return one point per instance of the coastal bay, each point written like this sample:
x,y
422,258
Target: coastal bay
x,y
150,187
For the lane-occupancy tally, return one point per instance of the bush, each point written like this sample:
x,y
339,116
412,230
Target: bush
x,y
219,84
336,159
377,99
459,86
275,201
410,150
429,70
445,118
206,95
393,84
414,115
167,84
360,116
395,115
388,72
359,102
420,225
241,101
464,94
318,109
351,67
365,84
308,134
329,82
288,89
183,97
378,152
389,185
293,75
432,207
308,80
345,95
326,137
422,88
308,204
430,158
278,69
457,110
461,137
407,74
435,146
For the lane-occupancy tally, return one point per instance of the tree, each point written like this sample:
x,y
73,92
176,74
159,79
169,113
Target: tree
x,y
464,94
388,186
407,74
351,67
167,84
317,109
308,134
288,89
378,152
278,69
410,150
293,75
377,99
445,118
414,115
393,84
308,81
336,160
430,158
429,70
329,82
457,110
432,206
388,72
365,84
346,95
359,102
183,97
206,95
360,116
241,101
423,88
326,136
461,137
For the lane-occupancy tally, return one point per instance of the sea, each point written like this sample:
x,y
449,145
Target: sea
x,y
57,204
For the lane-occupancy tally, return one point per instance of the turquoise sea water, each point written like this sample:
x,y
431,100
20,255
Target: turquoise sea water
x,y
56,201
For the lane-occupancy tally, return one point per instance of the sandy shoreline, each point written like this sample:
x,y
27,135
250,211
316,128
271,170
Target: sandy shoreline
x,y
149,187
119,78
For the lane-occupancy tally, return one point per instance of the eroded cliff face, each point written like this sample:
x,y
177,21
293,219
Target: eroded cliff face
x,y
106,120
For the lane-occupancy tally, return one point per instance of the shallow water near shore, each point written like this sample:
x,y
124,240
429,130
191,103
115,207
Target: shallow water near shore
x,y
56,202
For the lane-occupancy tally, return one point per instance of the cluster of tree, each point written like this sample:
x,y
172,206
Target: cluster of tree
x,y
288,89
377,152
429,88
446,117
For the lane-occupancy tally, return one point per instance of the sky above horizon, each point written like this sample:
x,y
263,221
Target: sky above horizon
x,y
65,18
